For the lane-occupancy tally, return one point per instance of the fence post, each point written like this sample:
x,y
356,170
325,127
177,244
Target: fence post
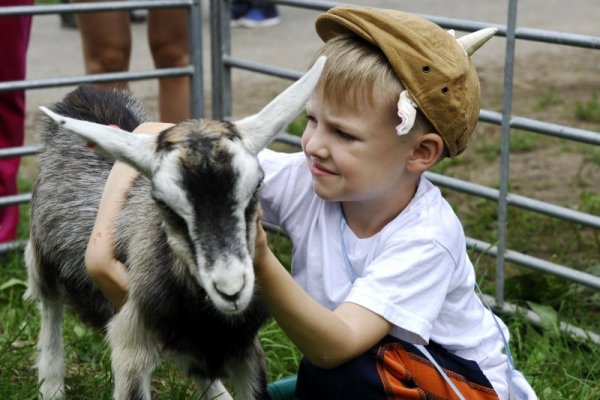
x,y
195,49
505,149
220,11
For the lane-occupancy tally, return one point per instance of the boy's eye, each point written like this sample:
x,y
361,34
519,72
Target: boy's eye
x,y
311,119
344,136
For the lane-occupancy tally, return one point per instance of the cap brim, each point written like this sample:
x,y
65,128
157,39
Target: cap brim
x,y
329,25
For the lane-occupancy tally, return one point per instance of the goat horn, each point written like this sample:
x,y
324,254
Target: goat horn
x,y
134,149
473,41
258,130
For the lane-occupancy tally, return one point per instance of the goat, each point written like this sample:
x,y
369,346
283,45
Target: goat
x,y
188,252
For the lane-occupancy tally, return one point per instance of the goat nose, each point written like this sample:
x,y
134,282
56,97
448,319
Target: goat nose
x,y
228,293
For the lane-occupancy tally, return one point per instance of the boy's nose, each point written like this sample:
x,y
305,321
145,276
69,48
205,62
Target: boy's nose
x,y
315,145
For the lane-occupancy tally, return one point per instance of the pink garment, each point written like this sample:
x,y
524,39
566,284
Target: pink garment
x,y
14,39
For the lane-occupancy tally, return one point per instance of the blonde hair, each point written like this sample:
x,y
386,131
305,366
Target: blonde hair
x,y
357,72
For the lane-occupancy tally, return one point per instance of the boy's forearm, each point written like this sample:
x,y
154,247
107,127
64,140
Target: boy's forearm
x,y
110,275
323,336
113,282
296,313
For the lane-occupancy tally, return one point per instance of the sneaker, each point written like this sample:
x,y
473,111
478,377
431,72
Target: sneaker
x,y
258,17
238,10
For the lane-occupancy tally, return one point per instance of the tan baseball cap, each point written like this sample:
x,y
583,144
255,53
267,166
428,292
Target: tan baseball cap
x,y
429,61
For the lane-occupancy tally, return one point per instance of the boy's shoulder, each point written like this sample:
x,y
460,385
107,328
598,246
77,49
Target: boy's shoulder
x,y
428,216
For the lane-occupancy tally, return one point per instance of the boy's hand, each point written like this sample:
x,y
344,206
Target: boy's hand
x,y
261,247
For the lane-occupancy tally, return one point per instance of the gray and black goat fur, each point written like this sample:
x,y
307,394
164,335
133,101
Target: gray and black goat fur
x,y
186,234
172,312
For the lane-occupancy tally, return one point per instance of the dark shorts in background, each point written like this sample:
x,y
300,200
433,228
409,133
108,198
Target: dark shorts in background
x,y
394,370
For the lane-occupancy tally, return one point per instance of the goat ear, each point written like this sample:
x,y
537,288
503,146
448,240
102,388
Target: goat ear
x,y
135,149
259,129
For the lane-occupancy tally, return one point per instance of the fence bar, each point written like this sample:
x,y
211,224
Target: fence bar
x,y
195,55
91,7
15,199
96,78
309,4
19,151
14,245
516,200
262,68
220,48
533,317
537,264
546,128
562,38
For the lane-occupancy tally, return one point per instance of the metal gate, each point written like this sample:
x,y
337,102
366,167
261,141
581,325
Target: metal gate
x,y
194,70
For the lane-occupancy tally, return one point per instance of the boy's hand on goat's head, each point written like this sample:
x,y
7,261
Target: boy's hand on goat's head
x,y
261,248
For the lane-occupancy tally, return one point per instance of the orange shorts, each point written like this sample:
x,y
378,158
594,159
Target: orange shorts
x,y
395,370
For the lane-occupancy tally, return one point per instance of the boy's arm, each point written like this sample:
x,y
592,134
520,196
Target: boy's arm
x,y
109,274
326,338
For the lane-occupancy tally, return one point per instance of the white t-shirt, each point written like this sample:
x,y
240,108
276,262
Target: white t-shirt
x,y
415,272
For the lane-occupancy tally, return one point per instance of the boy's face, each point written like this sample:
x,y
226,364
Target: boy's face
x,y
354,154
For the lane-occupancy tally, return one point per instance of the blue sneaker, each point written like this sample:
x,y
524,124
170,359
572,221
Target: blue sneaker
x,y
238,10
260,16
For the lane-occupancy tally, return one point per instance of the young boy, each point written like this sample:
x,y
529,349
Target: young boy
x,y
379,261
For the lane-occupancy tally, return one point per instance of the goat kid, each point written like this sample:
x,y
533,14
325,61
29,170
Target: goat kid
x,y
188,252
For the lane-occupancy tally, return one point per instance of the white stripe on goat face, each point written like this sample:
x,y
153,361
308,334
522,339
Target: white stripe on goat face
x,y
233,272
219,215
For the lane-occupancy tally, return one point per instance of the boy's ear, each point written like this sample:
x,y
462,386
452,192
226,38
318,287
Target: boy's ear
x,y
426,152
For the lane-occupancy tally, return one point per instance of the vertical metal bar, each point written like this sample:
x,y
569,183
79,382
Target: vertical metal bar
x,y
215,58
505,148
220,45
195,49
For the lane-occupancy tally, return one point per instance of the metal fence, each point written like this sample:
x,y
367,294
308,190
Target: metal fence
x,y
194,70
222,63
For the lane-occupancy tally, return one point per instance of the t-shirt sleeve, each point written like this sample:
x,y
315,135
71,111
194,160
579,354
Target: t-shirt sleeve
x,y
406,284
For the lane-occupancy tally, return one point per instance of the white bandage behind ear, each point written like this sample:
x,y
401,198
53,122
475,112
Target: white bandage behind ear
x,y
407,111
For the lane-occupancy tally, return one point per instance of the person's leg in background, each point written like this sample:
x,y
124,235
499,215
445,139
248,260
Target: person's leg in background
x,y
14,39
169,44
106,42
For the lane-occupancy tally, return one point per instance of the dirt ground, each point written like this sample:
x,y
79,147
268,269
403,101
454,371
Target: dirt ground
x,y
548,81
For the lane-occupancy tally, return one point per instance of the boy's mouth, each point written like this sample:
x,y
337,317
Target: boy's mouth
x,y
319,170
